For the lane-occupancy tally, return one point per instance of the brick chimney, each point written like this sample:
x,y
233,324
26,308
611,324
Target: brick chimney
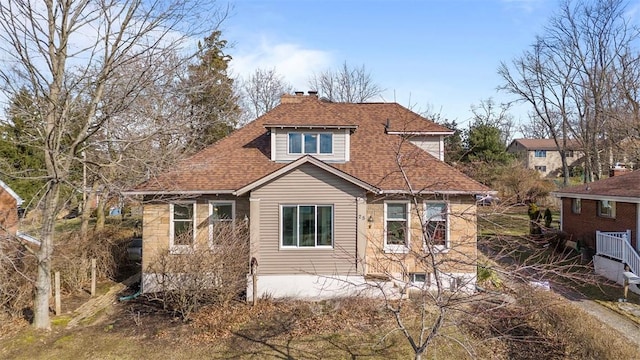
x,y
617,170
298,97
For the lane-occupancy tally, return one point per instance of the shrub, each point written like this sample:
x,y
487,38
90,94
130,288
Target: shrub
x,y
17,268
548,218
216,274
534,217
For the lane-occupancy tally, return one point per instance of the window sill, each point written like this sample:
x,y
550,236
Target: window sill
x,y
181,249
439,249
320,247
396,249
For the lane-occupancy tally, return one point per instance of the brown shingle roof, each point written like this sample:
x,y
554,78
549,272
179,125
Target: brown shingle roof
x,y
624,186
244,156
546,144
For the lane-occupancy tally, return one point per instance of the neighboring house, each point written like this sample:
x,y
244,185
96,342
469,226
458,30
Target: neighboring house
x,y
605,216
324,188
9,204
543,155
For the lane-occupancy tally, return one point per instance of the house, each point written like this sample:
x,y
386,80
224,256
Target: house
x,y
605,216
324,189
9,204
543,155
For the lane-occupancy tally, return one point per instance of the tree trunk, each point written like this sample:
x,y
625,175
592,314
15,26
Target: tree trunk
x,y
100,218
86,211
43,281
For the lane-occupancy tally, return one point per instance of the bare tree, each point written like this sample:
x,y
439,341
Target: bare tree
x,y
261,92
347,84
571,75
66,54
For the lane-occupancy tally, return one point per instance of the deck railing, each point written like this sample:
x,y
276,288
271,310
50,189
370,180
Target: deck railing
x,y
617,245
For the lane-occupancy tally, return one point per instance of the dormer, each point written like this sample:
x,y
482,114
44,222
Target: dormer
x,y
330,143
313,129
429,138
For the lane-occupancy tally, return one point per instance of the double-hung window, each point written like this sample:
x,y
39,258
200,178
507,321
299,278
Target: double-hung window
x,y
181,225
221,221
396,221
607,208
436,223
540,153
306,225
576,206
310,143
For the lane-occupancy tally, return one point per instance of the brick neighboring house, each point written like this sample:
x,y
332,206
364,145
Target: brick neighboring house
x,y
9,203
605,216
325,197
543,155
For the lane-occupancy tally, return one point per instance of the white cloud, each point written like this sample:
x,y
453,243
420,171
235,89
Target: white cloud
x,y
292,61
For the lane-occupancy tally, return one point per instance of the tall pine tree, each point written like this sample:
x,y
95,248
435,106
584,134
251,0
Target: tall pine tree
x,y
214,103
21,152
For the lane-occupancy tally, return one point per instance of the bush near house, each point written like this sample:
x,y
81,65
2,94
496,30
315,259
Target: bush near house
x,y
213,273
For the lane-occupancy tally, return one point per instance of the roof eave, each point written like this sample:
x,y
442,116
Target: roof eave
x,y
436,192
177,192
310,126
627,199
420,132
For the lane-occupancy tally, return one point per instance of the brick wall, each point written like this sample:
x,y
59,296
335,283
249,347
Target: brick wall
x,y
460,257
583,226
8,213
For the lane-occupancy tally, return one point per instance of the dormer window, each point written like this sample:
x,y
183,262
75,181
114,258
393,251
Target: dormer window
x,y
310,143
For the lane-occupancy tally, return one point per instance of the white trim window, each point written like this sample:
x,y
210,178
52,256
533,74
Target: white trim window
x,y
305,226
222,215
436,224
182,222
576,205
396,225
420,280
310,143
607,209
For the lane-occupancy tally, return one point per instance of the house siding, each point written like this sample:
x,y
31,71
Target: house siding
x,y
430,144
155,224
583,226
307,184
339,145
460,257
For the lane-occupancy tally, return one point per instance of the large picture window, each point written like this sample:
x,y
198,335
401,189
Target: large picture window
x,y
436,224
221,220
607,208
310,143
182,224
306,225
396,220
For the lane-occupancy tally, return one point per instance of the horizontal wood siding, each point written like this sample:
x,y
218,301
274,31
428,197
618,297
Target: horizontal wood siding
x,y
308,185
430,144
339,145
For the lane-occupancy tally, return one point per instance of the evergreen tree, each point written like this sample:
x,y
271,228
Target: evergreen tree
x,y
21,154
453,144
214,103
485,144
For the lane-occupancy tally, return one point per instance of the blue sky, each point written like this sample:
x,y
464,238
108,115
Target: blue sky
x,y
431,55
